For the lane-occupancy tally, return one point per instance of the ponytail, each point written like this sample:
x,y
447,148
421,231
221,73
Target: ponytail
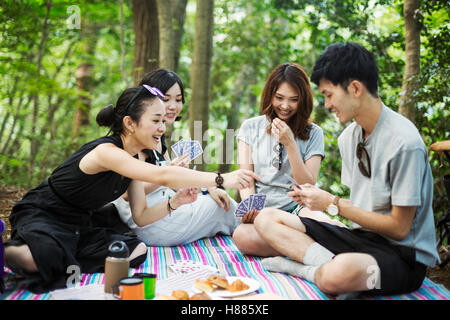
x,y
105,118
130,103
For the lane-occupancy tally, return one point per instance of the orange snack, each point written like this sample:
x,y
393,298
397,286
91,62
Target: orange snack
x,y
180,295
218,280
238,285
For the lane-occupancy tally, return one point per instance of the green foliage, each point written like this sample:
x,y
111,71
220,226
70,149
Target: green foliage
x,y
39,59
433,111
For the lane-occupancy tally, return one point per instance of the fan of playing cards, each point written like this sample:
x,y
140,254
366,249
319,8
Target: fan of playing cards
x,y
192,147
255,201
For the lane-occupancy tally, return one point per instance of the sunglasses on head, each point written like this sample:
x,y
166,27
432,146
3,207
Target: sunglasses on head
x,y
154,91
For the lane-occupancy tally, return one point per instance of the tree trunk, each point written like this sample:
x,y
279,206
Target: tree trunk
x,y
85,79
146,38
244,79
407,102
200,73
84,86
34,143
171,15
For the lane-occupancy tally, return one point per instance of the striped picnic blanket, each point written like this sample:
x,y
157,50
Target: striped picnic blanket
x,y
220,252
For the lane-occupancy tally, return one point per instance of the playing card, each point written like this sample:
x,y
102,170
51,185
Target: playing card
x,y
183,147
250,202
196,149
240,212
246,204
178,147
242,208
188,266
258,201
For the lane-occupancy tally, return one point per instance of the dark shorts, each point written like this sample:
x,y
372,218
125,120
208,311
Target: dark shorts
x,y
399,270
56,244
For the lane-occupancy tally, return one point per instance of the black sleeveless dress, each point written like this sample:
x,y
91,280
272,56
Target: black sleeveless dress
x,y
55,221
108,216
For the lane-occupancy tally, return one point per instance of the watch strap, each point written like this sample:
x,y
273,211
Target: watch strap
x,y
336,201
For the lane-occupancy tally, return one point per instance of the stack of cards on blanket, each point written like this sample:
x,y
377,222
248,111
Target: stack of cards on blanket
x,y
255,201
194,148
188,266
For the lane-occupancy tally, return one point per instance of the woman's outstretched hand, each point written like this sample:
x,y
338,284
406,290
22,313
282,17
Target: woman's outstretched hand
x,y
239,179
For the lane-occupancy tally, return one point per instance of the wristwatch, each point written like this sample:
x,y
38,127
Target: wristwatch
x,y
333,209
169,207
219,181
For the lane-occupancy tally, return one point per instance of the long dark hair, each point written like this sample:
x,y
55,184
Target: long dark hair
x,y
297,78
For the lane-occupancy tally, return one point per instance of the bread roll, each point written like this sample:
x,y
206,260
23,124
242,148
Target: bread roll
x,y
180,295
238,285
203,286
218,280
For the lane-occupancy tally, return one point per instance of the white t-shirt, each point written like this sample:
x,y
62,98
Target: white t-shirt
x,y
274,183
401,176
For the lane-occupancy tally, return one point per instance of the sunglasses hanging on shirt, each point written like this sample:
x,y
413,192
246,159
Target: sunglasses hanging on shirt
x,y
364,159
277,161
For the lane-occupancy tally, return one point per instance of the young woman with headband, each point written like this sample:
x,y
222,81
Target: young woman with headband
x,y
51,225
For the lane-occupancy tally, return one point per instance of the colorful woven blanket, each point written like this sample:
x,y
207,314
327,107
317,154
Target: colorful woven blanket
x,y
220,252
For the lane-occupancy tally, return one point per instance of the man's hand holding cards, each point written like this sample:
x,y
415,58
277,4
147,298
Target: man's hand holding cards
x,y
254,202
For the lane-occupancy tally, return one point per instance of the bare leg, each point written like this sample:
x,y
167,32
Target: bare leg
x,y
284,232
250,242
20,257
348,272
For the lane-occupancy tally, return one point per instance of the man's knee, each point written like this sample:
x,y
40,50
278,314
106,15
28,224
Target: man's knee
x,y
343,274
264,219
242,238
249,242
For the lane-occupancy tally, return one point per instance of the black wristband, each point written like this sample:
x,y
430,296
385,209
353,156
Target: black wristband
x,y
219,181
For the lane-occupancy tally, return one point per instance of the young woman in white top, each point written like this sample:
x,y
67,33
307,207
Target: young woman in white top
x,y
281,142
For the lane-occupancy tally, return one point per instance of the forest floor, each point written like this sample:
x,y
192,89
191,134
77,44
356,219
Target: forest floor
x,y
10,194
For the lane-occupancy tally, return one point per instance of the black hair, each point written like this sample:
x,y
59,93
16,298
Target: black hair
x,y
163,79
343,63
130,103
